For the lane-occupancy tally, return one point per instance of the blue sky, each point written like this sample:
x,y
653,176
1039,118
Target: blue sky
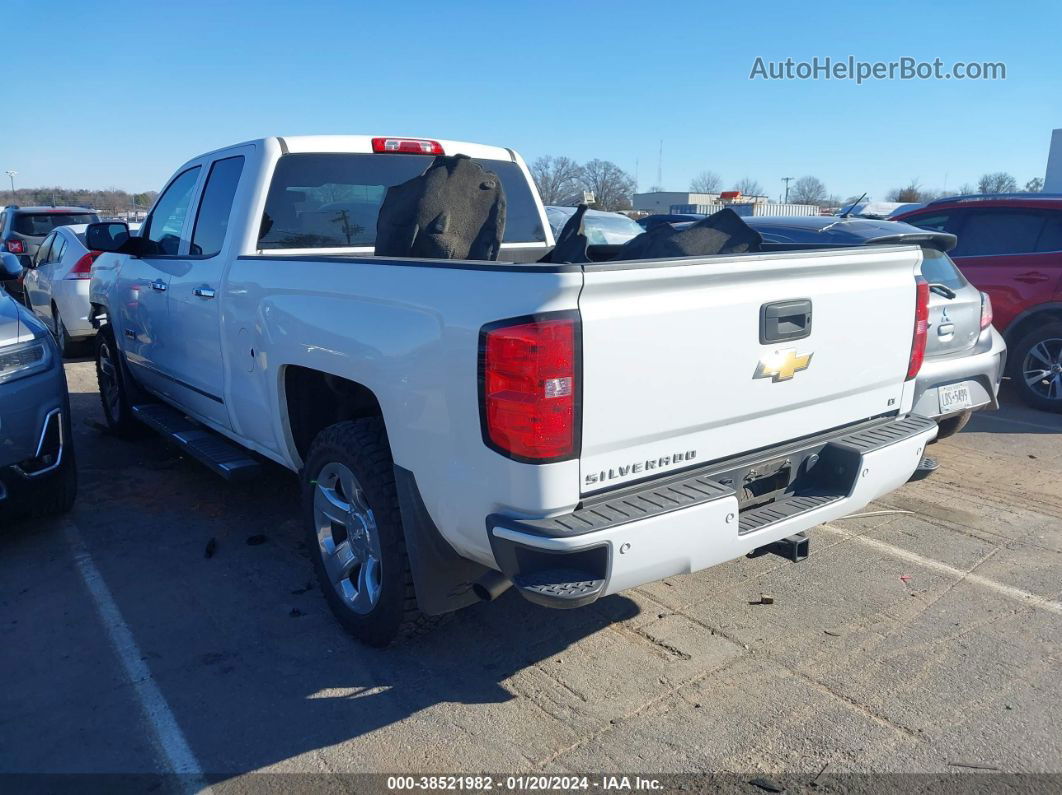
x,y
120,94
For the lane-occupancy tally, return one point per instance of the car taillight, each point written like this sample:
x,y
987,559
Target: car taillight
x,y
83,267
986,311
407,146
529,387
921,328
16,247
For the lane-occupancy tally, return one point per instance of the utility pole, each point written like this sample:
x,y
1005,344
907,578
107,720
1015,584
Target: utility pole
x,y
11,176
660,166
786,180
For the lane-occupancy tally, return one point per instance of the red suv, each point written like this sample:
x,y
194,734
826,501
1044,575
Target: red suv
x,y
1010,246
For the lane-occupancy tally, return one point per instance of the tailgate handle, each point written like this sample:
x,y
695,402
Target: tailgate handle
x,y
784,321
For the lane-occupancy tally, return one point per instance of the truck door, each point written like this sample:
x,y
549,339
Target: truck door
x,y
142,315
196,299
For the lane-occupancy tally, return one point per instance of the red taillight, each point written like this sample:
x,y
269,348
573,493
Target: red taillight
x,y
921,328
83,267
986,311
529,387
407,146
16,247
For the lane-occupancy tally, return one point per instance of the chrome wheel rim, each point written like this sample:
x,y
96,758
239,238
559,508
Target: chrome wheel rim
x,y
1042,369
109,381
347,538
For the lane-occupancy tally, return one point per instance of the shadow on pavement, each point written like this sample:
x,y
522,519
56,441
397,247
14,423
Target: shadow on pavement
x,y
243,647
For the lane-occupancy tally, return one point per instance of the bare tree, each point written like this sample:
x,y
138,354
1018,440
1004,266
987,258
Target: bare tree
x,y
997,182
749,187
807,190
911,193
706,182
965,189
1034,185
611,185
558,179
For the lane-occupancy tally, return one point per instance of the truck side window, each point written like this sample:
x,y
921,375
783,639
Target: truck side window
x,y
212,221
166,222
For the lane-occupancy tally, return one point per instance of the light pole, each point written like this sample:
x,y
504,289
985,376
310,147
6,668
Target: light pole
x,y
11,176
786,180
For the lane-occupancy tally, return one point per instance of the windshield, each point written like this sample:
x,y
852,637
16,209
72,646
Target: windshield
x,y
937,268
40,224
332,200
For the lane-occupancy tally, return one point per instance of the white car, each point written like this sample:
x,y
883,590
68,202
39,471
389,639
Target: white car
x,y
602,228
57,286
460,425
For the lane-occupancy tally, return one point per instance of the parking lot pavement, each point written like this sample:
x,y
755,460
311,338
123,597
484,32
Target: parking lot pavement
x,y
923,635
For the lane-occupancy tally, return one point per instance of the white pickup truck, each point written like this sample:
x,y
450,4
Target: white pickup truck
x,y
462,426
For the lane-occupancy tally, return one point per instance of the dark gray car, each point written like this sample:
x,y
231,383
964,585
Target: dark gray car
x,y
965,355
37,469
23,229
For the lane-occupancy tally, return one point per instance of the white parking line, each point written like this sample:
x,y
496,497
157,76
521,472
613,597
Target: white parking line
x,y
1025,597
171,742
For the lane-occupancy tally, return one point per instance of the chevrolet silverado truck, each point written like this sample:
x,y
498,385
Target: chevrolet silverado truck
x,y
460,427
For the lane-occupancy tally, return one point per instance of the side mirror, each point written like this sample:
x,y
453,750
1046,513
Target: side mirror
x,y
106,236
10,267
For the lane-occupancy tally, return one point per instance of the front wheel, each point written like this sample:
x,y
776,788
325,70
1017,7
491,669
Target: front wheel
x,y
354,529
115,386
1036,367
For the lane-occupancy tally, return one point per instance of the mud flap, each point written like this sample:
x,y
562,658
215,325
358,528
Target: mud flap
x,y
442,579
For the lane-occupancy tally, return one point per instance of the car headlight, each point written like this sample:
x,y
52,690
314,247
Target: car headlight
x,y
25,358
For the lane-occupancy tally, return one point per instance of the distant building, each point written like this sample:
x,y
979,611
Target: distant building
x,y
1053,177
746,209
661,201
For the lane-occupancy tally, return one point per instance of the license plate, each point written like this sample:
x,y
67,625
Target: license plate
x,y
954,397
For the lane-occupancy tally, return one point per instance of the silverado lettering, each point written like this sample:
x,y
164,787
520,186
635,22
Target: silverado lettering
x,y
641,466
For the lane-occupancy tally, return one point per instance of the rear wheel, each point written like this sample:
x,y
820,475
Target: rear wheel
x,y
1036,367
952,425
354,528
67,346
116,386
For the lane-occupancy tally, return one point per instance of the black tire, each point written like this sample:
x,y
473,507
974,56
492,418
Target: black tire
x,y
57,493
111,374
1039,395
68,347
361,447
952,425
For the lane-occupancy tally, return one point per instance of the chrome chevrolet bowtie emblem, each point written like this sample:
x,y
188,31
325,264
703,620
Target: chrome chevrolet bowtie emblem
x,y
782,365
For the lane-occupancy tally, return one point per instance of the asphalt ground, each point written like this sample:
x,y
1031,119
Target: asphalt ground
x,y
923,635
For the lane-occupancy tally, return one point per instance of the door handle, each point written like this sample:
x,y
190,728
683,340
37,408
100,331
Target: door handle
x,y
204,292
158,286
1032,277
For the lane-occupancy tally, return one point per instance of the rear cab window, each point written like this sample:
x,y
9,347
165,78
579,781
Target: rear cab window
x,y
332,200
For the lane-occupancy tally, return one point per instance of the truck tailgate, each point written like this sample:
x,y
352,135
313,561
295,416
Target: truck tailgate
x,y
675,373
